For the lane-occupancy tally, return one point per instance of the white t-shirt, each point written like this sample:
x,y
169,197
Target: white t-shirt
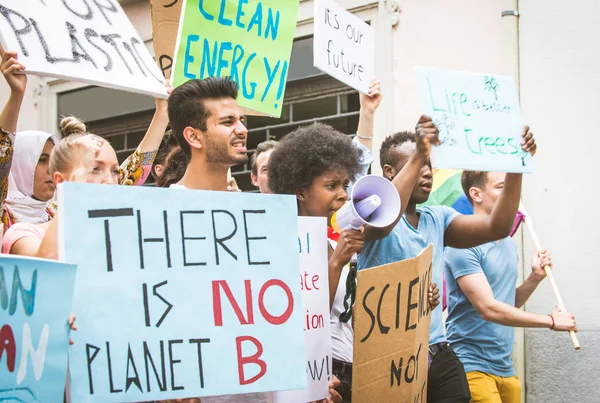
x,y
247,398
342,334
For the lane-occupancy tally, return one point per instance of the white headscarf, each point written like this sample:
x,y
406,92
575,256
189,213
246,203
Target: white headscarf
x,y
20,202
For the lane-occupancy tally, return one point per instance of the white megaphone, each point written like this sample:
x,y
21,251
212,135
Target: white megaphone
x,y
373,201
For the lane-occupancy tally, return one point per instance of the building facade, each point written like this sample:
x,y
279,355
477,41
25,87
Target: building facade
x,y
549,47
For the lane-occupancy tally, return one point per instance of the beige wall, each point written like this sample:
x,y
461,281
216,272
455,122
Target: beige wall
x,y
560,83
469,35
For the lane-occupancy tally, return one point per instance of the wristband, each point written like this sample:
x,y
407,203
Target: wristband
x,y
551,317
364,137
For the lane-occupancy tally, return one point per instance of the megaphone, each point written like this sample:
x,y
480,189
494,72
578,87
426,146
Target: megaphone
x,y
374,200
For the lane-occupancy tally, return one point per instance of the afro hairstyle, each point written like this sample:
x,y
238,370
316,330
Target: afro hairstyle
x,y
309,152
386,155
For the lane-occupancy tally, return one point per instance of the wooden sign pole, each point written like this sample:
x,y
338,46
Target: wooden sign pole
x,y
549,274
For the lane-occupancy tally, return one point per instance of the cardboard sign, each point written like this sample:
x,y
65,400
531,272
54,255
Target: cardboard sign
x,y
249,40
479,119
344,45
89,41
391,331
165,26
182,293
35,304
314,283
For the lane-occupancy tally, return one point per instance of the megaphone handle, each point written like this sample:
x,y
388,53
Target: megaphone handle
x,y
350,290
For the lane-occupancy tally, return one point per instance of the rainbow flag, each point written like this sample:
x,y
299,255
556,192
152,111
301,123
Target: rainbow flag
x,y
447,191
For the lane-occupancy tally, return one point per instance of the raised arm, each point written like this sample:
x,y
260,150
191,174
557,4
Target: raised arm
x,y
11,68
366,121
136,168
466,231
406,180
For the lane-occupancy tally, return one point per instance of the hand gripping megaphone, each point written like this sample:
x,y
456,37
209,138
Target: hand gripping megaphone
x,y
374,200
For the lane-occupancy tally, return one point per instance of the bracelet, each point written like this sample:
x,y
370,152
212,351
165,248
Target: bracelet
x,y
551,317
364,137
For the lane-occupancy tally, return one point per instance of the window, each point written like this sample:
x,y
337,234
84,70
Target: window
x,y
311,96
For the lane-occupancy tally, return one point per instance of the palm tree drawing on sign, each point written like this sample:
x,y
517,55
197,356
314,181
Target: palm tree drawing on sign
x,y
491,85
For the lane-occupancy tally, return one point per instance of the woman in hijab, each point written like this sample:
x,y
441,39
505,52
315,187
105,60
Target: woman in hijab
x,y
30,185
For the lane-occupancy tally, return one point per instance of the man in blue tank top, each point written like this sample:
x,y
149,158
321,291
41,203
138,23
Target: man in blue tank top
x,y
440,226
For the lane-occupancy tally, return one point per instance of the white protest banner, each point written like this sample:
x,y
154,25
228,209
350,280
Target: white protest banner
x,y
479,119
89,41
182,293
314,282
344,45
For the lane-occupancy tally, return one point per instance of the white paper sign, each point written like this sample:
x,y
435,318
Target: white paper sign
x,y
344,45
88,41
479,120
312,241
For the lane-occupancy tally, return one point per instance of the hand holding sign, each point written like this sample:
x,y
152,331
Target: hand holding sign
x,y
528,144
370,101
479,119
427,135
11,68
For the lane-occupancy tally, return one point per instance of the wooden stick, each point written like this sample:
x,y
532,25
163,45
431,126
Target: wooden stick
x,y
561,303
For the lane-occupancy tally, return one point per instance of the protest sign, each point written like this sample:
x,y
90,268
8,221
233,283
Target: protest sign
x,y
182,293
479,119
344,45
249,40
165,25
314,283
391,332
35,297
89,41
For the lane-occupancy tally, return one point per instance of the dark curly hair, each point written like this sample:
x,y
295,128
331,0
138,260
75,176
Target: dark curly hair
x,y
168,143
174,168
386,156
309,152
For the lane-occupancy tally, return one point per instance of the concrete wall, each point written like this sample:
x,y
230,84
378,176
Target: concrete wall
x,y
560,83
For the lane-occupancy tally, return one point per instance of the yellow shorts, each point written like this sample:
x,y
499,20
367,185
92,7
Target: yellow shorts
x,y
488,388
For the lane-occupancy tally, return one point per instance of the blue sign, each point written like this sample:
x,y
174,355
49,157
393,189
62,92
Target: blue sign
x,y
182,293
35,302
479,119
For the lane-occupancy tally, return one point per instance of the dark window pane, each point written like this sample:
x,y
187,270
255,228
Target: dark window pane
x,y
244,182
255,138
117,142
315,108
301,60
134,139
278,133
350,103
346,125
262,121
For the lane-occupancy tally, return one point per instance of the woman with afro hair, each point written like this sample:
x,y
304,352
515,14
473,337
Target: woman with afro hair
x,y
317,163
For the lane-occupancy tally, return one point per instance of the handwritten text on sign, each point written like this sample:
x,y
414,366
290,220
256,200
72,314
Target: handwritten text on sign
x,y
479,119
89,41
165,26
182,293
344,45
312,243
249,40
391,337
35,304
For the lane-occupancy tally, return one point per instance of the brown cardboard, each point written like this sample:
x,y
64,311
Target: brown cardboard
x,y
165,26
380,336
